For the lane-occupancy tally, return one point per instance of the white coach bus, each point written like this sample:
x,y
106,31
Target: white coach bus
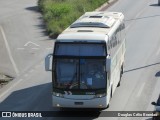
x,y
87,61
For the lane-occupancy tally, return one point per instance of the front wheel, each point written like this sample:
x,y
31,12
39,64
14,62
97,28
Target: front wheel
x,y
110,98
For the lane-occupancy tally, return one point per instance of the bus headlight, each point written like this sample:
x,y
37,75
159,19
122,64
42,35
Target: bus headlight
x,y
100,95
58,94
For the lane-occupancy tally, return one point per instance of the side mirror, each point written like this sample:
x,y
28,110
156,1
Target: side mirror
x,y
48,62
108,63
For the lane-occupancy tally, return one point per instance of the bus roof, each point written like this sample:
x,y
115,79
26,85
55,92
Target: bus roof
x,y
92,26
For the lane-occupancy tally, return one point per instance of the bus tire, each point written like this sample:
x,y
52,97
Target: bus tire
x,y
119,83
122,70
110,98
107,106
110,95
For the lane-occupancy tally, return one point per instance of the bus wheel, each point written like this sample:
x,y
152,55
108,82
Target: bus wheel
x,y
110,98
108,105
122,71
111,94
119,83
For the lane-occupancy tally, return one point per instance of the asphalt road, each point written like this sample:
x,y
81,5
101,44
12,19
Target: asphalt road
x,y
23,39
140,83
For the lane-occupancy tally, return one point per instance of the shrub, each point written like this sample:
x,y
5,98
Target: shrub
x,y
56,11
59,14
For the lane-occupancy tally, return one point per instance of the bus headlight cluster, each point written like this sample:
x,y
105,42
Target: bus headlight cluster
x,y
58,94
100,95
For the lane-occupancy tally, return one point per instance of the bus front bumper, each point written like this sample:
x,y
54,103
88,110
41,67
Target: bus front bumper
x,y
79,103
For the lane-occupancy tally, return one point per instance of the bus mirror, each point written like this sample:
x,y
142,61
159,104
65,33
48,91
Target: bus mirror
x,y
108,64
48,62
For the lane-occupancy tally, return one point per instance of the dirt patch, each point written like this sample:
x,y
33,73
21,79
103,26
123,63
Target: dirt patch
x,y
4,79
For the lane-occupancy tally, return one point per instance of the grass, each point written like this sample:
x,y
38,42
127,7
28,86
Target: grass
x,y
59,14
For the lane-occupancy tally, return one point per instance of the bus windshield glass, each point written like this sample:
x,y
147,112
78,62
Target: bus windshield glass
x,y
92,73
80,66
80,73
80,49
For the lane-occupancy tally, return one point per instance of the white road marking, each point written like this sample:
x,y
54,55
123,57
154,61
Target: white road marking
x,y
9,51
135,19
35,48
140,90
10,88
30,43
137,15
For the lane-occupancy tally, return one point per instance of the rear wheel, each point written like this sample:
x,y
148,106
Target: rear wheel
x,y
107,106
120,76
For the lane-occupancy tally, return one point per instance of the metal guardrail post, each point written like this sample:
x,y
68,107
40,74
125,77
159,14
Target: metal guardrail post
x,y
159,2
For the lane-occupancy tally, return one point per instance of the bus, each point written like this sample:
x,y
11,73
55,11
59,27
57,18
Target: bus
x,y
87,61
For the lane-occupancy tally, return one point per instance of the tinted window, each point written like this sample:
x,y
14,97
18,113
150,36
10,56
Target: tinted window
x,y
80,49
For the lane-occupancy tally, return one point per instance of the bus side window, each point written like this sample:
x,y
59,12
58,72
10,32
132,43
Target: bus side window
x,y
108,45
122,31
114,40
118,34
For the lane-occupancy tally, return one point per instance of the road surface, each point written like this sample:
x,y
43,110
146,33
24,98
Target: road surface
x,y
23,39
32,89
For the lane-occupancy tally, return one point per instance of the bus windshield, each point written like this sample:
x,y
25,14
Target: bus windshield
x,y
80,65
92,73
80,73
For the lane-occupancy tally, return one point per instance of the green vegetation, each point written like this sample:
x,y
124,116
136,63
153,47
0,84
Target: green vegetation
x,y
59,14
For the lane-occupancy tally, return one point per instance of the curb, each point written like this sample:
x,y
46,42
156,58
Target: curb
x,y
106,5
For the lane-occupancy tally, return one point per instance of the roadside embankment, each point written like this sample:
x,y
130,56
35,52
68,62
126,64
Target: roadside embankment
x,y
59,14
